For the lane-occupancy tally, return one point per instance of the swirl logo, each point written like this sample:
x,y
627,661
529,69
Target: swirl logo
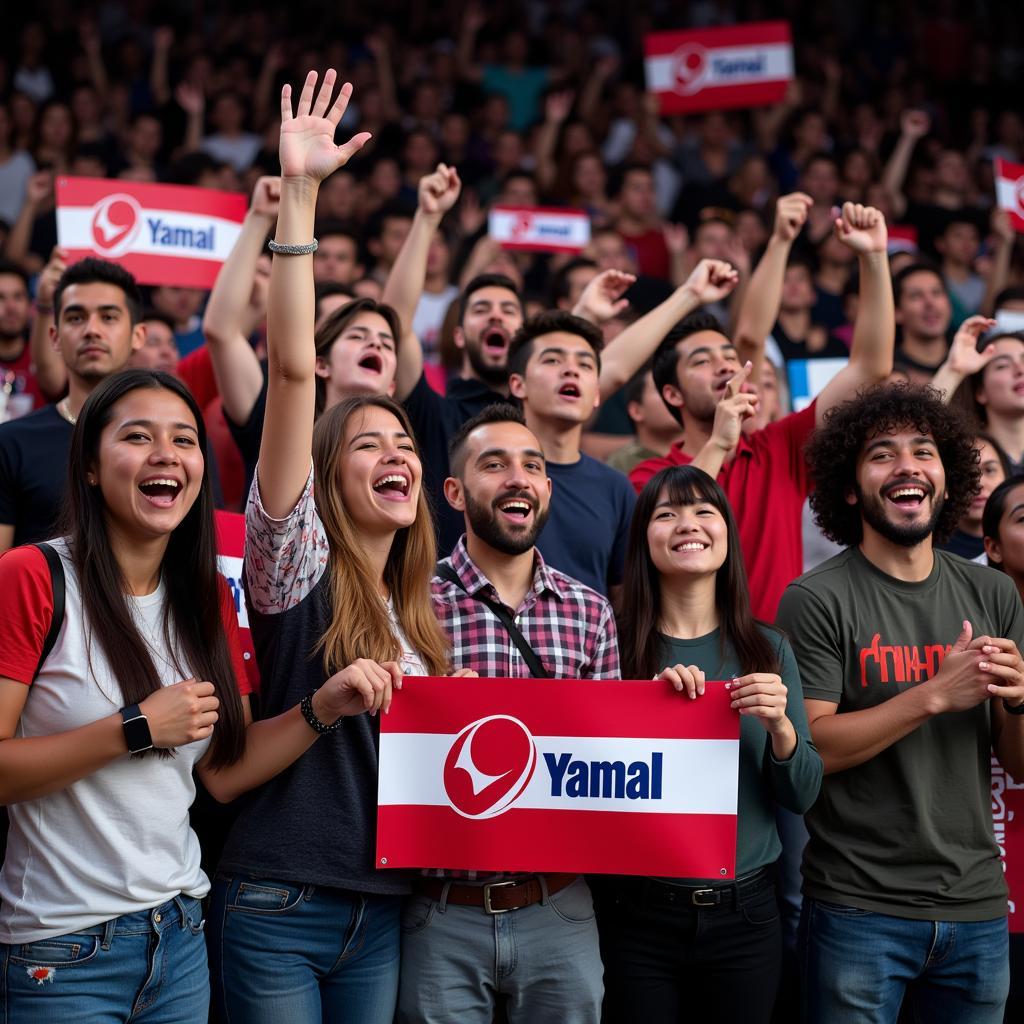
x,y
488,766
116,221
690,64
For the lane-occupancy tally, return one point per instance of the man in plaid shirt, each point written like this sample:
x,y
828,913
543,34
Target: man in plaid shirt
x,y
533,938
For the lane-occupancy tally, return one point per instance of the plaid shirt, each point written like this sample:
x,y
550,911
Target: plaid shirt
x,y
570,626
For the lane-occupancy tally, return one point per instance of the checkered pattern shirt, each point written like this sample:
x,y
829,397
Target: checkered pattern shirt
x,y
570,626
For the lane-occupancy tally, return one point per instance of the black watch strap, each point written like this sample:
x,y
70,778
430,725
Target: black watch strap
x,y
1011,709
136,729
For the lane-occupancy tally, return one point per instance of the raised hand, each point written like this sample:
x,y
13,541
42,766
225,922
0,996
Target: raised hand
x,y
439,192
791,215
862,228
688,679
557,106
190,98
734,409
307,147
677,238
51,274
915,124
266,196
964,357
39,188
711,280
363,686
602,298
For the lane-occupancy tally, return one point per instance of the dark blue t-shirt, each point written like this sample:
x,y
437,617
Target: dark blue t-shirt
x,y
585,536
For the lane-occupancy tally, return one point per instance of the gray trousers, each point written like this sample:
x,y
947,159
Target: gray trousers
x,y
543,959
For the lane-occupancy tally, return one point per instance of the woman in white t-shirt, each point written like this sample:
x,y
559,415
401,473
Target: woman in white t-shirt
x,y
339,554
100,889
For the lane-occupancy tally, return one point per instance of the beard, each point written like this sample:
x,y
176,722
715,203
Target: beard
x,y
907,535
493,375
485,524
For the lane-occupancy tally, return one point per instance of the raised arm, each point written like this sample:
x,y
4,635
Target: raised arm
x,y
556,110
914,125
308,155
862,228
235,364
760,307
438,193
38,199
1005,239
50,370
159,70
711,281
474,17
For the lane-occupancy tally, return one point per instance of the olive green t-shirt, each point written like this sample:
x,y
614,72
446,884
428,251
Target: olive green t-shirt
x,y
908,832
763,780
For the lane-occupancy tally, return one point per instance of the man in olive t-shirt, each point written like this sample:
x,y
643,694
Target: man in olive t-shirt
x,y
911,676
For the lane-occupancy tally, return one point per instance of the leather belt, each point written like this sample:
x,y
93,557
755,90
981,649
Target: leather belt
x,y
730,894
494,897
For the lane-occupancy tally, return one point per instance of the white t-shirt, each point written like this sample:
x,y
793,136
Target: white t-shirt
x,y
117,841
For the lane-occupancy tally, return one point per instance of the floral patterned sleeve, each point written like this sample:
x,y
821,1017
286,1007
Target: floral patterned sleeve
x,y
284,558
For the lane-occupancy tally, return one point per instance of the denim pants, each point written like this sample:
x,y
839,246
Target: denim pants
x,y
857,966
543,959
282,953
143,968
672,961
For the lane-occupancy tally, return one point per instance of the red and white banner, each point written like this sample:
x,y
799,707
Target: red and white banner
x,y
1008,828
163,234
539,228
558,775
230,548
1010,191
719,68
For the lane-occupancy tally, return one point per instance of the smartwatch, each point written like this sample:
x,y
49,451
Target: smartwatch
x,y
136,729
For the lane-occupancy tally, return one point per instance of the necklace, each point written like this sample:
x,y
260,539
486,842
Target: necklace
x,y
62,408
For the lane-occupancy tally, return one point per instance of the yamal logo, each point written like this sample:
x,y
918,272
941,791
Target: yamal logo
x,y
690,64
488,766
115,221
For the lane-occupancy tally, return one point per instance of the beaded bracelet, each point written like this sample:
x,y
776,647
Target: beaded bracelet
x,y
284,249
306,707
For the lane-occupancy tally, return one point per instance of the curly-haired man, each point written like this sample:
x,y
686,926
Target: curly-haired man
x,y
911,675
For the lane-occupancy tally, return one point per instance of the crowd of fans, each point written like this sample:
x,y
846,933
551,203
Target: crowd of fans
x,y
817,304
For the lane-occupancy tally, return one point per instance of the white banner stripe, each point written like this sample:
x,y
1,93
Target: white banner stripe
x,y
74,229
1007,196
697,776
728,65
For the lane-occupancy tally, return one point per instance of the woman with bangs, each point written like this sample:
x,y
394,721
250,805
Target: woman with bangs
x,y
339,554
705,947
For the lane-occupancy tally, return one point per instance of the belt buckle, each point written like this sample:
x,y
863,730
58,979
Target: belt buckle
x,y
698,900
487,896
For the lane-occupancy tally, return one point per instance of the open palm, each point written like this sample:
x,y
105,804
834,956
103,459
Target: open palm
x,y
307,139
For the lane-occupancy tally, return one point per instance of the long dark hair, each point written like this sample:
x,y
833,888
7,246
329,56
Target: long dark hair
x,y
639,639
192,620
992,517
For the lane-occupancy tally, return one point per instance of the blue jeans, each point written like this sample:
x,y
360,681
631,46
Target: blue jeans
x,y
144,968
858,965
282,953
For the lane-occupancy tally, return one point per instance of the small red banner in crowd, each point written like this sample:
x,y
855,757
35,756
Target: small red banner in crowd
x,y
163,234
539,228
558,775
1008,828
1010,191
230,548
719,68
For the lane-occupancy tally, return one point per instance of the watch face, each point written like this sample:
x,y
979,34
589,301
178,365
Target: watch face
x,y
137,735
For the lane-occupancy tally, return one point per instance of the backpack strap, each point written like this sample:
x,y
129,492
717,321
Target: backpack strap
x,y
56,567
501,613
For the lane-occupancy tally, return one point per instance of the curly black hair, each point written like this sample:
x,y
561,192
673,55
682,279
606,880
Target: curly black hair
x,y
834,450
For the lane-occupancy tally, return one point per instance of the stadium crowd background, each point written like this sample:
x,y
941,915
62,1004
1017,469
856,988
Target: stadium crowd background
x,y
894,106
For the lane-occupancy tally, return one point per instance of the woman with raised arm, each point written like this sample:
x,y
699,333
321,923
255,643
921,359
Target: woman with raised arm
x,y
108,700
339,554
703,947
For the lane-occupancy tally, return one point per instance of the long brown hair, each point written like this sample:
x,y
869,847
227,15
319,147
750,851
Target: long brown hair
x,y
639,639
192,615
360,627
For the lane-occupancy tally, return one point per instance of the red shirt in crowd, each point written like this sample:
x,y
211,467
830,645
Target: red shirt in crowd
x,y
24,383
766,482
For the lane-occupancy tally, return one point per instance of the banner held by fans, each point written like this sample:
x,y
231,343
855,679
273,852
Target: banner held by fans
x,y
230,528
539,228
163,234
747,65
1010,191
558,775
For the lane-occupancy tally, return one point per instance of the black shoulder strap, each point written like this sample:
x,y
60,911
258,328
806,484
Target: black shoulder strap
x,y
57,582
533,662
